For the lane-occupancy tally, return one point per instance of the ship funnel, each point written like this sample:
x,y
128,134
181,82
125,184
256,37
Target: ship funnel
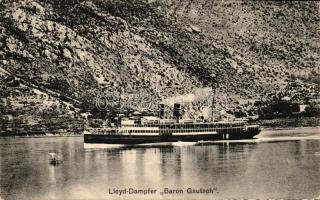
x,y
161,110
176,111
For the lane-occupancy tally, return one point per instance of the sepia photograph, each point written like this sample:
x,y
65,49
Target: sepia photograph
x,y
159,99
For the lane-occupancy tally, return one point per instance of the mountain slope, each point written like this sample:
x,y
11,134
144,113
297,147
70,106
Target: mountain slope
x,y
145,49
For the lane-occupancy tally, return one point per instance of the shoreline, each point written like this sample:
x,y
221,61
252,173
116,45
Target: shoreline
x,y
288,128
80,135
40,136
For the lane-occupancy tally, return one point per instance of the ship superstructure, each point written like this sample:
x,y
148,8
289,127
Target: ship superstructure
x,y
155,129
151,129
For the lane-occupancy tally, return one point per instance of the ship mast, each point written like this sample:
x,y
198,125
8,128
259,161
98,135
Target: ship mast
x,y
160,109
120,92
214,85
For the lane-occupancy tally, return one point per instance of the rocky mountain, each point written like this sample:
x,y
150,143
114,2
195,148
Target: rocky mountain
x,y
142,50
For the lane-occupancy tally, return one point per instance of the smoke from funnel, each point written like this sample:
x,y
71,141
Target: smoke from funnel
x,y
196,95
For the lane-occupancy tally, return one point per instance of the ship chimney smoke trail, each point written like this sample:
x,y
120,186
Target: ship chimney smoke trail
x,y
197,95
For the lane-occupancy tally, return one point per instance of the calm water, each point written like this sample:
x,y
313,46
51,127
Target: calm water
x,y
279,164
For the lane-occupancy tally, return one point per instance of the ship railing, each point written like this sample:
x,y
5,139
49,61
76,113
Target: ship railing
x,y
105,129
200,126
190,125
252,127
231,130
102,131
140,125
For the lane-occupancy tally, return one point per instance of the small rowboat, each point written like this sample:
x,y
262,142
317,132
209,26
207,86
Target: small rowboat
x,y
54,160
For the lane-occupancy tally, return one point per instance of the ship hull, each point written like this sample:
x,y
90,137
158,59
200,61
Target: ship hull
x,y
143,139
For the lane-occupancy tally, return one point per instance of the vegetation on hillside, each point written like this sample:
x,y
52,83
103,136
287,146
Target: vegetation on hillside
x,y
145,51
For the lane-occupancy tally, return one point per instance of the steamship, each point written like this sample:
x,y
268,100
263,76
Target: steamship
x,y
156,129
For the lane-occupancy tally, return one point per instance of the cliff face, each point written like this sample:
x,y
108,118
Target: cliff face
x,y
281,36
145,49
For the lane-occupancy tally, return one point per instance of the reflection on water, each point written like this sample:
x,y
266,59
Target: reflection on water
x,y
261,168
